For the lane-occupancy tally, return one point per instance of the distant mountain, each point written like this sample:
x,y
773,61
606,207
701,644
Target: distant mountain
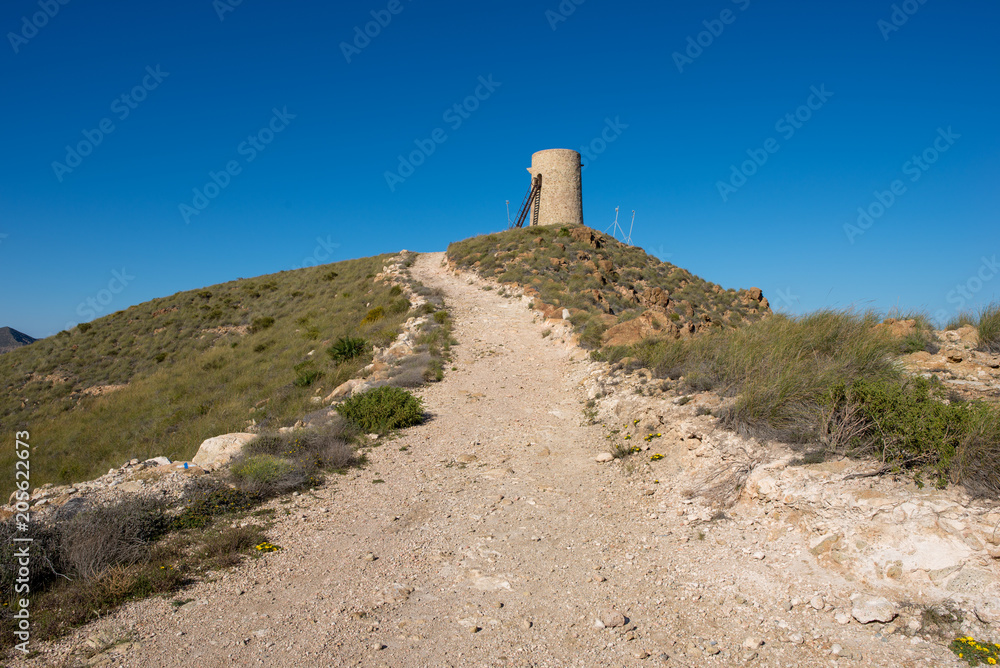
x,y
11,339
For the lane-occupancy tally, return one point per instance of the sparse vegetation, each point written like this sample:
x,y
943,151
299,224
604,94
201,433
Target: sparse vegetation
x,y
92,562
831,378
174,377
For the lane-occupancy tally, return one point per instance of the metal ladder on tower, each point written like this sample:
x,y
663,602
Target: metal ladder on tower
x,y
531,198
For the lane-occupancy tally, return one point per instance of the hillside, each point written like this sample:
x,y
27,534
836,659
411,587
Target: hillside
x,y
504,531
615,294
160,377
11,339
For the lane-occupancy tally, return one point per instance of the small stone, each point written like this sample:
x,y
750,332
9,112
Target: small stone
x,y
817,602
796,639
604,457
378,646
712,650
836,650
369,557
640,655
752,642
842,618
612,619
787,605
758,556
599,578
525,624
867,610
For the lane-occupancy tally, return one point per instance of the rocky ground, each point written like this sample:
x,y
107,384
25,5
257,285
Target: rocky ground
x,y
492,535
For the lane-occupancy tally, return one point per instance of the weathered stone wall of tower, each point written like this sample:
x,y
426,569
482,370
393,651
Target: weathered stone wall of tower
x,y
562,192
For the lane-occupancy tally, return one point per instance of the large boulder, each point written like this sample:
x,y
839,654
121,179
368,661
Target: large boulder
x,y
218,451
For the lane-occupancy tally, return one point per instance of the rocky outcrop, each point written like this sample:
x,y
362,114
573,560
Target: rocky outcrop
x,y
651,324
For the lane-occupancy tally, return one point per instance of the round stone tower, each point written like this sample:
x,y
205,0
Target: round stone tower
x,y
561,201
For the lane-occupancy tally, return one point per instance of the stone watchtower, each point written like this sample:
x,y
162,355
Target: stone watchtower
x,y
556,193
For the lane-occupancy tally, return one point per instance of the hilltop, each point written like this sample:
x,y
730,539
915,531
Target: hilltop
x,y
11,339
614,294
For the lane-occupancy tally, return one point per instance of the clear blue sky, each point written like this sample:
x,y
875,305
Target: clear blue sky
x,y
558,76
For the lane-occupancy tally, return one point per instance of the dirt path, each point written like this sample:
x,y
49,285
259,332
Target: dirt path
x,y
490,536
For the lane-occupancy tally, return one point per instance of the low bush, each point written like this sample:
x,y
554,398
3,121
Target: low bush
x,y
347,348
312,450
382,409
202,504
906,424
267,475
260,324
117,535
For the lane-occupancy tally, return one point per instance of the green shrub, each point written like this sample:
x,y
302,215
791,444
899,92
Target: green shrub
x,y
907,425
989,328
306,373
382,409
440,317
347,348
401,305
267,475
260,324
84,327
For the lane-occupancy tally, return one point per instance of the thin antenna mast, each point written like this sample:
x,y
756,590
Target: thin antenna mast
x,y
508,214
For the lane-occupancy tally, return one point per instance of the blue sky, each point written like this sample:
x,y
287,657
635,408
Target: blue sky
x,y
308,114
